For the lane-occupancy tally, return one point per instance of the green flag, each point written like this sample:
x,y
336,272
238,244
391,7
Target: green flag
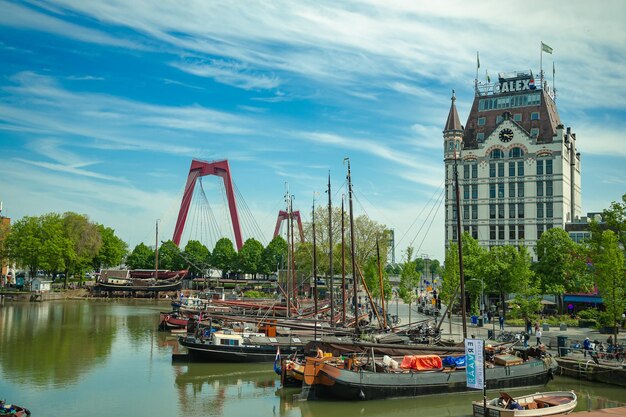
x,y
545,48
477,60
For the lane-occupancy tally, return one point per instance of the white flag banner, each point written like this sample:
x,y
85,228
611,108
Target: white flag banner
x,y
474,361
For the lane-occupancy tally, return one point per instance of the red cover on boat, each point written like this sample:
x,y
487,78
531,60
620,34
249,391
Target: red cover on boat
x,y
408,362
426,362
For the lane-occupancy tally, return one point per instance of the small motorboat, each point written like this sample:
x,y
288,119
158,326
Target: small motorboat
x,y
12,410
538,404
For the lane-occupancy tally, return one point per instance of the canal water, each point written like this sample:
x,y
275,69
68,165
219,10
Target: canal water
x,y
104,358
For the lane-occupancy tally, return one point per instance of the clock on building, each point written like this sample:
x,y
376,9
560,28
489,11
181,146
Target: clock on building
x,y
506,135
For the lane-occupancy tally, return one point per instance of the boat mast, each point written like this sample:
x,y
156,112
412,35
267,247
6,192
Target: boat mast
x,y
460,245
330,255
355,285
288,274
156,252
293,255
314,261
382,287
343,260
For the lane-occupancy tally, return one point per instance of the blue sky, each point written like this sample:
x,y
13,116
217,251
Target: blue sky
x,y
103,105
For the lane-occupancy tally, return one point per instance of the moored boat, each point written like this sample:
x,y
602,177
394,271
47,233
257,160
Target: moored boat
x,y
13,410
361,377
533,405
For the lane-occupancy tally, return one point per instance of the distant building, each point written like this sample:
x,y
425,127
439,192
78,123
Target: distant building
x,y
518,166
579,229
39,284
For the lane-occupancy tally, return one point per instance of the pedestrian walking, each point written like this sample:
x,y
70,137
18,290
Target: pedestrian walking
x,y
528,326
536,327
489,316
538,334
526,338
501,320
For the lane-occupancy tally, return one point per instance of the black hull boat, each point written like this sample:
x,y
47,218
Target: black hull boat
x,y
342,384
233,347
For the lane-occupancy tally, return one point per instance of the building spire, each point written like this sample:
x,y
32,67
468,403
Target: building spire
x,y
453,122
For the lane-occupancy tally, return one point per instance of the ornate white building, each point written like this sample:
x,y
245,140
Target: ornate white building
x,y
518,167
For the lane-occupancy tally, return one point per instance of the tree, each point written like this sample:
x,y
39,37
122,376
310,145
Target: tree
x,y
24,244
561,264
249,257
451,276
615,219
112,251
499,273
54,243
5,230
528,296
142,257
84,242
473,258
169,257
608,260
196,256
409,279
224,255
274,255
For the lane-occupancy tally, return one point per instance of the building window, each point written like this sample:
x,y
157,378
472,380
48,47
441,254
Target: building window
x,y
540,210
520,189
534,132
520,168
499,119
466,171
492,191
549,210
539,188
549,166
466,212
520,232
511,211
517,117
481,121
516,153
511,169
520,211
501,190
474,191
475,232
492,232
512,232
500,169
512,189
501,211
501,232
492,211
454,233
466,229
453,212
480,136
534,115
539,231
492,170
474,211
496,154
539,167
474,170
549,188
466,191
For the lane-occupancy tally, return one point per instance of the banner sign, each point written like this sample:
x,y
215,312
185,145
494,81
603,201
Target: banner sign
x,y
474,359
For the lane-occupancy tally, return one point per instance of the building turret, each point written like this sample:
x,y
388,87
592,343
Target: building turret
x,y
452,133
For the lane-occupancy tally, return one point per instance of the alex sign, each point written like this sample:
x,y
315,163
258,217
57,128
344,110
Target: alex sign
x,y
474,360
515,85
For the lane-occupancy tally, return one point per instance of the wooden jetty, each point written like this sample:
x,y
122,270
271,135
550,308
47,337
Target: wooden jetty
x,y
587,369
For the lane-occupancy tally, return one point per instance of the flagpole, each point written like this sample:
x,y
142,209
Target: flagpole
x,y
553,84
541,64
477,67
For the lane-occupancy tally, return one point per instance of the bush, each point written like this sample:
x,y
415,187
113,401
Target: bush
x,y
515,322
557,320
254,294
590,313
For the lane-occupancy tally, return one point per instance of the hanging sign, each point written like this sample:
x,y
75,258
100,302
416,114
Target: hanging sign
x,y
474,360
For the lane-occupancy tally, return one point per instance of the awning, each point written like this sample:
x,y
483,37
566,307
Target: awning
x,y
579,298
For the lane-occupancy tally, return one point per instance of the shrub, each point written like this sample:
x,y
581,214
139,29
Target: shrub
x,y
590,313
515,322
254,294
557,320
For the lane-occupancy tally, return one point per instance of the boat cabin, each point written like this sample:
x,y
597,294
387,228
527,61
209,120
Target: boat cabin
x,y
230,338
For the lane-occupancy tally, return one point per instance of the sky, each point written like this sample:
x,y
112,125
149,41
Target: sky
x,y
103,105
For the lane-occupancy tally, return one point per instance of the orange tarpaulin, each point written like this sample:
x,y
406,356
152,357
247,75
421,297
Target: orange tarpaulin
x,y
421,362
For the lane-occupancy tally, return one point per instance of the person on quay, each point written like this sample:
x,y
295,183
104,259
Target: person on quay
x,y
538,334
526,338
501,319
536,327
586,346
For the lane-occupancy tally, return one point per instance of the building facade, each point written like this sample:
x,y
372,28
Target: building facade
x,y
518,166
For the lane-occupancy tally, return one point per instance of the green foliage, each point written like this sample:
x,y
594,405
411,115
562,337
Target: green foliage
x,y
450,275
224,256
608,260
250,256
501,268
590,313
254,294
24,244
561,266
142,257
196,258
112,251
274,256
615,219
409,279
169,257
